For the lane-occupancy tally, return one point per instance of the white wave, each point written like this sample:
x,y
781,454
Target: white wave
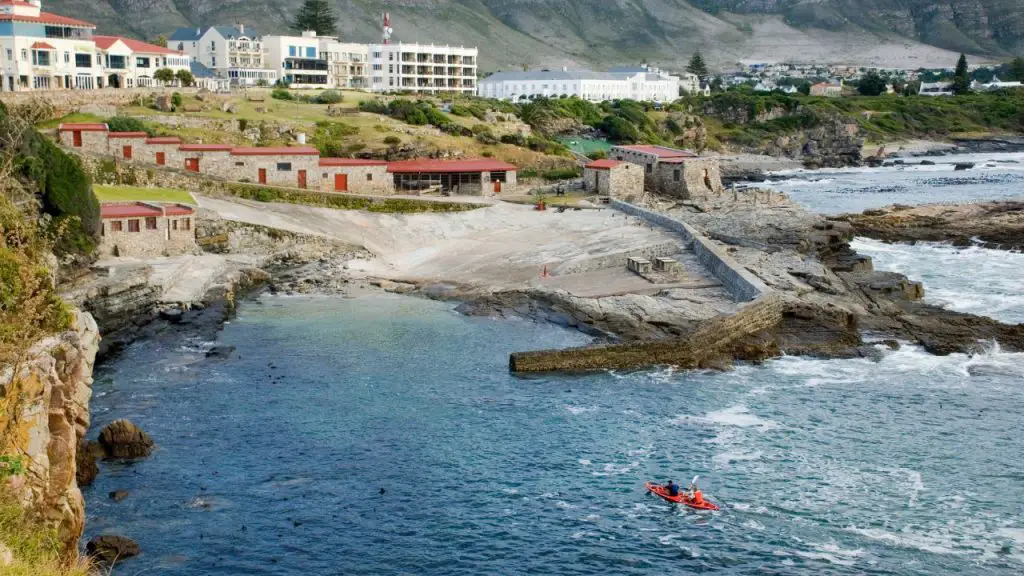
x,y
584,462
591,518
934,542
577,410
738,416
753,525
612,469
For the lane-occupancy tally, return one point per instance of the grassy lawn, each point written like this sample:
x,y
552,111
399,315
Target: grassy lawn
x,y
70,118
134,193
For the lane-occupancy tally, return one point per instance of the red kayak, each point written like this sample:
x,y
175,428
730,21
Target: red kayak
x,y
682,498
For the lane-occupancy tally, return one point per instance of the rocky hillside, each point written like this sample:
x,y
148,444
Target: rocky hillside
x,y
605,32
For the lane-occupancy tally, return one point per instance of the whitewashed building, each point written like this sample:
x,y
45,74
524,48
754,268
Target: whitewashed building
x,y
425,68
296,59
633,83
44,51
129,63
231,52
347,63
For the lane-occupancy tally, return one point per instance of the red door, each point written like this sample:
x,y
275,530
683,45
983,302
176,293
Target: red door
x,y
497,186
263,176
127,151
192,164
302,178
341,182
77,137
161,158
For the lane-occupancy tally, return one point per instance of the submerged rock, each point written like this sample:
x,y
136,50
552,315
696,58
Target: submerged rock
x,y
110,549
122,439
118,495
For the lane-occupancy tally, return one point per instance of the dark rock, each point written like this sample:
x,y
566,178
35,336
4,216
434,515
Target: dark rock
x,y
172,315
118,495
963,166
85,462
927,163
122,439
110,549
220,352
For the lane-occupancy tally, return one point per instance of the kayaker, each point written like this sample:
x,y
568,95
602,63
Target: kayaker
x,y
672,487
694,493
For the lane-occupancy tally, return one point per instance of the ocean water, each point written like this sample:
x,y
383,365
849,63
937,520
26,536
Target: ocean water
x,y
384,435
995,176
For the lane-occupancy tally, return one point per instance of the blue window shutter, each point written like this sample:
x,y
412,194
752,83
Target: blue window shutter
x,y
291,50
310,52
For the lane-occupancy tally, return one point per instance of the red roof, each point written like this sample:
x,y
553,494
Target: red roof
x,y
163,140
42,46
105,42
660,151
47,18
140,210
278,151
205,147
603,164
351,162
84,127
429,165
127,135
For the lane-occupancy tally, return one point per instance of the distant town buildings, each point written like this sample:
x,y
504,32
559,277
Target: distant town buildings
x,y
423,68
936,89
827,89
636,83
229,51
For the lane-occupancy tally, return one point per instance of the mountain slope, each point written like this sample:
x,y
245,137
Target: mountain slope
x,y
513,33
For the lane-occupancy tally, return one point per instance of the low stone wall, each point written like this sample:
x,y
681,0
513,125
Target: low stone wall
x,y
68,101
743,285
706,343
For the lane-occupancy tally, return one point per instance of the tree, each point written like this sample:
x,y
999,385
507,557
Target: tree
x,y
165,75
160,40
961,78
871,84
804,88
185,77
316,15
697,66
1017,69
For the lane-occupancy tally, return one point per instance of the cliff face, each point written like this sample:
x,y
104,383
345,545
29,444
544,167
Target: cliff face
x,y
44,411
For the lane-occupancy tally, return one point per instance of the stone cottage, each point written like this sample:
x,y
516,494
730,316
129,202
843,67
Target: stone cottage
x,y
124,145
84,136
147,229
295,166
613,178
470,177
673,172
356,176
159,150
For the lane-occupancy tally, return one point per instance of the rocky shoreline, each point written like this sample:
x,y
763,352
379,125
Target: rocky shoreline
x,y
996,225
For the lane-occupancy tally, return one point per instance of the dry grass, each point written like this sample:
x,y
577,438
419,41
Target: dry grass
x,y
36,548
136,193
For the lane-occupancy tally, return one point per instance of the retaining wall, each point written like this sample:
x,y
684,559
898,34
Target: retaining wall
x,y
705,343
743,285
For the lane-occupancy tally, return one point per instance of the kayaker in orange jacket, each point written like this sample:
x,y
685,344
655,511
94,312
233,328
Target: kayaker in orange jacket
x,y
694,494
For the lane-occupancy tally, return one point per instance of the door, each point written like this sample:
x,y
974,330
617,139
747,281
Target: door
x,y
161,158
497,186
127,151
341,182
77,136
192,164
263,176
302,178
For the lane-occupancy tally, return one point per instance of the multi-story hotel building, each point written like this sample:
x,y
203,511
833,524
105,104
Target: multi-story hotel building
x,y
423,68
296,60
232,52
347,63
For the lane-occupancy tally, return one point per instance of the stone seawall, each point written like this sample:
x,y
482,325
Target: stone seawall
x,y
705,346
743,285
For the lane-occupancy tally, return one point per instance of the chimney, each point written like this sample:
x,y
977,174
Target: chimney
x,y
241,29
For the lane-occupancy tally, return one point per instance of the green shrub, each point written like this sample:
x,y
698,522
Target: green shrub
x,y
373,106
329,97
329,137
392,140
562,173
176,99
598,155
126,124
281,94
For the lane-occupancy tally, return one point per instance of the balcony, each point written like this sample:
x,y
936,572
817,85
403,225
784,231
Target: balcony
x,y
305,64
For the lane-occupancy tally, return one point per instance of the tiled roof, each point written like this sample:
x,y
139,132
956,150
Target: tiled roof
x,y
127,135
105,42
351,162
429,165
42,46
163,140
84,127
185,35
206,147
278,151
47,18
603,164
200,70
142,210
234,32
660,151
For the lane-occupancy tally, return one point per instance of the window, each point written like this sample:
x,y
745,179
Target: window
x,y
648,168
141,62
187,223
369,177
150,223
239,163
181,46
291,51
83,60
133,225
284,166
310,52
675,175
40,58
10,54
67,57
115,226
24,55
174,224
376,54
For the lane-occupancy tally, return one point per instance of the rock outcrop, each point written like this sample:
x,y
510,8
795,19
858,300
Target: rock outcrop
x,y
997,225
46,415
122,439
110,549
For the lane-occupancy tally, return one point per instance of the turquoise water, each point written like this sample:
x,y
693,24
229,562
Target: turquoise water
x,y
272,461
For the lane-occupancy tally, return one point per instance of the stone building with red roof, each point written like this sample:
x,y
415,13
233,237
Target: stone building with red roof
x,y
146,229
614,178
673,172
